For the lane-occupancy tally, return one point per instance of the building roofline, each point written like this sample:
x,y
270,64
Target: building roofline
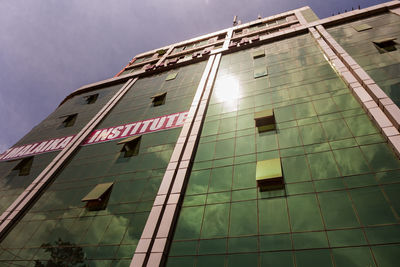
x,y
330,21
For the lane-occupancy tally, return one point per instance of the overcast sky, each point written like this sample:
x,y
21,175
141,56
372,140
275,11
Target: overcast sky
x,y
49,48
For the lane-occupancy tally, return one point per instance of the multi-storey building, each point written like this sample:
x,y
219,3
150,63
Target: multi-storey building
x,y
271,143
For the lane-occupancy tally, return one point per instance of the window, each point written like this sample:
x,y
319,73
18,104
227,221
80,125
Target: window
x,y
159,99
24,166
259,53
90,99
131,146
69,120
265,120
171,76
98,197
269,174
260,72
161,52
385,45
362,27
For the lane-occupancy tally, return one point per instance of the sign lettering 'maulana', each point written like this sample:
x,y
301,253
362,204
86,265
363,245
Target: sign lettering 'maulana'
x,y
98,136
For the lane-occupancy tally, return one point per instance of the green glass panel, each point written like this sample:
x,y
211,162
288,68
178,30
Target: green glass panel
x,y
370,139
294,151
210,128
207,261
244,176
323,165
289,138
284,114
380,157
247,194
273,216
189,223
228,125
361,125
295,169
325,106
392,192
350,161
183,248
282,259
313,258
329,185
383,234
245,145
218,197
337,210
357,257
240,260
205,151
242,244
212,246
360,180
266,141
221,179
243,220
245,159
344,238
194,200
310,240
180,261
304,213
304,110
372,206
312,134
343,143
245,122
198,182
224,148
336,130
216,219
275,242
387,256
346,101
299,188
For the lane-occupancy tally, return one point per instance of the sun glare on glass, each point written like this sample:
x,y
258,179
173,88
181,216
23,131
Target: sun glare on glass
x,y
227,89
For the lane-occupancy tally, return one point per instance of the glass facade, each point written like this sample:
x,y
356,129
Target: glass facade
x,y
278,105
383,67
59,221
338,170
12,184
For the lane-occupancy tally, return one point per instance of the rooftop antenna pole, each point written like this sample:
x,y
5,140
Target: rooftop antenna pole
x,y
235,21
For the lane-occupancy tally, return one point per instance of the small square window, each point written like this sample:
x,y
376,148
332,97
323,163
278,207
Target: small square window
x,y
90,99
385,45
269,174
260,72
69,120
362,27
159,99
171,76
265,120
98,197
24,166
259,53
131,146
